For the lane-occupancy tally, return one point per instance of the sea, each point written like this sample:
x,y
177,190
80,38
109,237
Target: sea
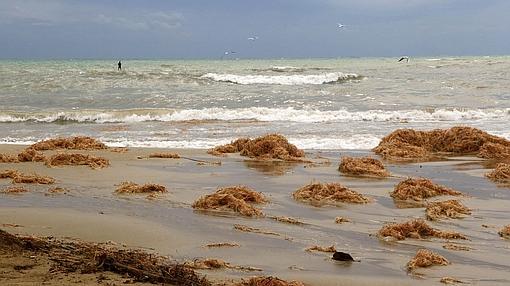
x,y
322,104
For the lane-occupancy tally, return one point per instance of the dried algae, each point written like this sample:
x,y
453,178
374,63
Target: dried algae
x,y
271,146
76,159
340,219
446,209
426,258
14,190
133,188
456,247
505,232
329,193
450,281
76,143
417,229
268,281
165,155
222,244
31,155
418,189
236,198
501,174
21,178
246,228
5,158
83,257
331,248
409,144
364,166
213,263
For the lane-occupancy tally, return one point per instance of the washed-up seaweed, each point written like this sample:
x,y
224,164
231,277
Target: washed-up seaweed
x,y
329,193
237,198
416,229
418,189
446,209
271,146
426,258
409,144
364,166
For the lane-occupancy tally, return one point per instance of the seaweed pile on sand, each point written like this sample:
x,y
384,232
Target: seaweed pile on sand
x,y
418,189
75,143
426,258
21,178
133,188
268,281
329,193
364,166
83,257
501,174
6,158
505,232
409,144
235,198
14,190
167,155
446,209
271,146
214,263
417,229
331,248
76,159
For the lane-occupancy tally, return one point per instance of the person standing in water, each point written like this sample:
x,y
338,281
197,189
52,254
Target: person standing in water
x,y
119,66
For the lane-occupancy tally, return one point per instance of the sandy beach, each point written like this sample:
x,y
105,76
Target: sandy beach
x,y
166,224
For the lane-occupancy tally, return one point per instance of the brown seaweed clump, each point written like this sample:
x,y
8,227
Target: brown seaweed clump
x,y
9,174
505,232
501,174
409,144
165,155
341,219
417,229
331,248
76,143
236,198
76,159
74,256
31,155
132,188
5,158
269,281
332,193
446,209
426,258
456,247
418,189
213,263
20,178
364,166
271,146
450,281
14,190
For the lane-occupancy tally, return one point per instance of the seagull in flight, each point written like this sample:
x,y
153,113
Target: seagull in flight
x,y
253,38
340,26
406,58
229,52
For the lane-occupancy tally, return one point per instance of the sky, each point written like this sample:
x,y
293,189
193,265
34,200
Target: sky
x,y
197,29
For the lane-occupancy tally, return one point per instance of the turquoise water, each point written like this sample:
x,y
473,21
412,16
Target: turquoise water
x,y
317,104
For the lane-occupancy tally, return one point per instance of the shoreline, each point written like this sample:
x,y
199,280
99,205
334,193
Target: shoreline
x,y
169,226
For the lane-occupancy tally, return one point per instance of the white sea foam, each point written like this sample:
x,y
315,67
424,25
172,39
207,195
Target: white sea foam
x,y
283,79
261,114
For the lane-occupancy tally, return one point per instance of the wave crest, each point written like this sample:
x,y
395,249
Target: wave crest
x,y
334,77
255,113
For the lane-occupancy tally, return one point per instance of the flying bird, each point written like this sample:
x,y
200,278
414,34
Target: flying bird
x,y
253,38
340,26
406,58
229,52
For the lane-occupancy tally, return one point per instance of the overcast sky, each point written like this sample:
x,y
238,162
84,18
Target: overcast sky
x,y
286,28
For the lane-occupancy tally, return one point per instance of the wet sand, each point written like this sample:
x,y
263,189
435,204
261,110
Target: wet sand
x,y
168,225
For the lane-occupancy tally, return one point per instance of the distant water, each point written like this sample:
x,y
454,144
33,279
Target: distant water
x,y
317,104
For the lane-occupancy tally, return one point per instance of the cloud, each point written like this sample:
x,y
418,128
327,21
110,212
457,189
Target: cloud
x,y
58,12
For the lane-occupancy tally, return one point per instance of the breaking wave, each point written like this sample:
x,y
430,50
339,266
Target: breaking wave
x,y
255,113
333,77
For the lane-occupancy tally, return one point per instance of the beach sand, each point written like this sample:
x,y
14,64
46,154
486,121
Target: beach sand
x,y
167,224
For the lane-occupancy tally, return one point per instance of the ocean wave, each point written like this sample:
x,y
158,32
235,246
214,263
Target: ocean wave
x,y
355,142
334,77
255,113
